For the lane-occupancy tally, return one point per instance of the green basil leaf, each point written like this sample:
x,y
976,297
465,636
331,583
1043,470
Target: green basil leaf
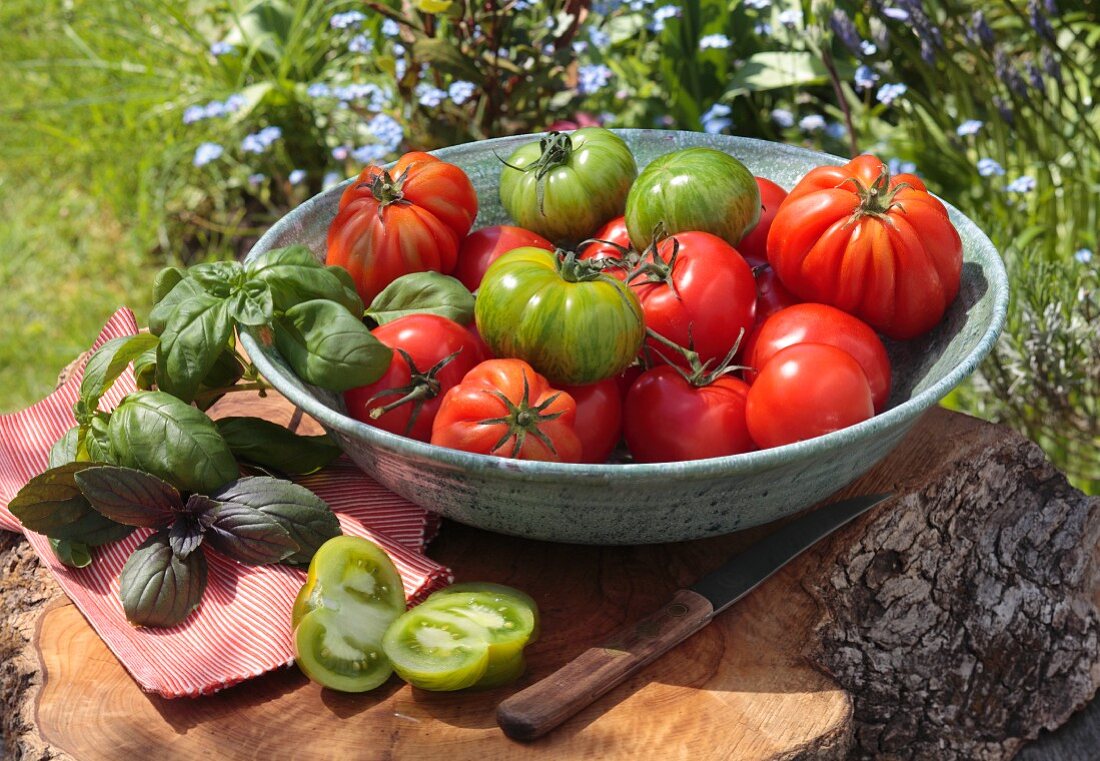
x,y
109,361
273,447
162,312
66,449
252,304
185,536
71,554
129,496
145,369
248,535
165,280
51,500
294,276
97,440
306,517
329,347
423,293
219,279
191,342
157,433
227,370
351,295
157,587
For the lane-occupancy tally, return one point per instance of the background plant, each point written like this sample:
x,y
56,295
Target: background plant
x,y
993,103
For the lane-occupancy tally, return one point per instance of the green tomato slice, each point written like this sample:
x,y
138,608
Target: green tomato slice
x,y
502,673
437,650
498,595
343,650
349,571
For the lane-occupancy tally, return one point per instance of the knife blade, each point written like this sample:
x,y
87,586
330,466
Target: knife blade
x,y
544,705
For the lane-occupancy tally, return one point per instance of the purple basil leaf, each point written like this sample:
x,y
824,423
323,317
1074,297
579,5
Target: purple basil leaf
x,y
249,536
186,535
203,508
130,496
157,587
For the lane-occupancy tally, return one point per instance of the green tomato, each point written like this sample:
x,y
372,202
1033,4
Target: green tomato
x,y
695,189
567,319
565,186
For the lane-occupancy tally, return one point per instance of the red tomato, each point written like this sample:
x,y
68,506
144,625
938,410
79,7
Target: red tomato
x,y
706,298
599,422
806,390
482,347
410,219
878,247
483,247
626,378
667,419
427,339
504,408
771,296
754,245
613,232
822,324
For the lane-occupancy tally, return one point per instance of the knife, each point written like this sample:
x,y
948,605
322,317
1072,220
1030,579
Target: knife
x,y
544,705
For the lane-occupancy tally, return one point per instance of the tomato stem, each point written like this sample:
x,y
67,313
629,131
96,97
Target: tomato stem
x,y
386,189
575,270
877,199
556,150
523,420
699,373
656,268
421,387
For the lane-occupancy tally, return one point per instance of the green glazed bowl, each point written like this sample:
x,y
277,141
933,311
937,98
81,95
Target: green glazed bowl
x,y
645,503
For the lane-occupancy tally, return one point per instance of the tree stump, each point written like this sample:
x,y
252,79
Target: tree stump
x,y
961,618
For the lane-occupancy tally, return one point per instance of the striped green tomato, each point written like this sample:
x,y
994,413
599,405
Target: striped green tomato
x,y
568,320
695,189
564,186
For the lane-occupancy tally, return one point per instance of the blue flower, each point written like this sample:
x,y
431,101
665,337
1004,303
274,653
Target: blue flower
x,y
340,152
257,178
347,20
897,166
296,176
386,130
579,46
1022,184
522,5
592,77
360,43
206,153
836,130
782,117
716,119
400,66
868,48
258,142
890,92
461,91
715,41
599,38
429,95
812,123
214,109
663,14
193,114
398,49
762,29
865,77
330,179
790,18
988,168
898,14
368,154
220,49
758,5
845,30
1083,255
390,28
235,103
969,127
318,90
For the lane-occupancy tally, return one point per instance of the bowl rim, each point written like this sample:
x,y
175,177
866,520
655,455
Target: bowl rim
x,y
605,473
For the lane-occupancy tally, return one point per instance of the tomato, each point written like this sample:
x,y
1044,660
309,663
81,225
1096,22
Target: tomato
x,y
614,232
771,296
504,408
754,245
483,247
692,189
351,596
878,247
666,418
626,378
573,323
806,390
698,291
461,639
408,397
564,186
819,323
483,348
599,421
411,218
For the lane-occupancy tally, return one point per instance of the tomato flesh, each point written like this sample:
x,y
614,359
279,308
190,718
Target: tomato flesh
x,y
334,655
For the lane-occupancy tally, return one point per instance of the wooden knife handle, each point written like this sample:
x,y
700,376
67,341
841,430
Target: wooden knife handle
x,y
544,705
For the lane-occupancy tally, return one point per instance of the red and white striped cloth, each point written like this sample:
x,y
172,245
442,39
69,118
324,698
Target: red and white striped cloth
x,y
242,628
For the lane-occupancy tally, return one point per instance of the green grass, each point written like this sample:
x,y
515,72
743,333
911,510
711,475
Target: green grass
x,y
65,265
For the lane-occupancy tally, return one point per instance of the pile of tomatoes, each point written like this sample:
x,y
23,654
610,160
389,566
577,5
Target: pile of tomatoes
x,y
688,311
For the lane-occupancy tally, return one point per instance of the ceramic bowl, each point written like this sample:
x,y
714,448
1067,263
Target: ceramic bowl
x,y
644,503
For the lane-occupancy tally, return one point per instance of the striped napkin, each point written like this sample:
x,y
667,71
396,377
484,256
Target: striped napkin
x,y
242,629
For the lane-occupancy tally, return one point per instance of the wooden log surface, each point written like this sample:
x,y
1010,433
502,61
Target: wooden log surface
x,y
956,621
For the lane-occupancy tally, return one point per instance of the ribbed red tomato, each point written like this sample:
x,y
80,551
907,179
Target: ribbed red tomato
x,y
823,324
879,247
504,408
413,394
599,421
411,218
483,247
754,246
